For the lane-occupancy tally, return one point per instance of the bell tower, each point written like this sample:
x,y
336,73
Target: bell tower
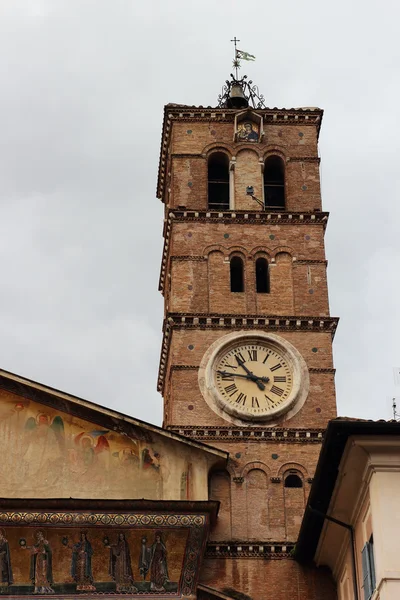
x,y
246,358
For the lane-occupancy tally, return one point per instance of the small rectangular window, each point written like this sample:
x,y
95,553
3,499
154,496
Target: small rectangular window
x,y
368,568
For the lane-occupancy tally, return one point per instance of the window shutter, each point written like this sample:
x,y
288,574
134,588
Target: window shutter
x,y
366,572
372,563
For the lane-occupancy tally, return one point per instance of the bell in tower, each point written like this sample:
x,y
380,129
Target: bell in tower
x,y
236,98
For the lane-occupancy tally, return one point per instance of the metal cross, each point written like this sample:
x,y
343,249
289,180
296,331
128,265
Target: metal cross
x,y
236,62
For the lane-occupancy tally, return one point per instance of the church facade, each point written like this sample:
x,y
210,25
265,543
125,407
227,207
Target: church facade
x,y
210,505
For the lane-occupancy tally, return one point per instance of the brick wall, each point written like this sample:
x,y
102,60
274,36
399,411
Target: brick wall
x,y
257,579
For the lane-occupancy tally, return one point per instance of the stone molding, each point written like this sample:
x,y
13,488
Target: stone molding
x,y
234,549
249,434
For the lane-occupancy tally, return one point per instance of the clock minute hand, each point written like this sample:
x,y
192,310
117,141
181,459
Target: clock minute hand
x,y
250,376
234,374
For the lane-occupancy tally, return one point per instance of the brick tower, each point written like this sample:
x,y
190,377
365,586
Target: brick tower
x,y
246,358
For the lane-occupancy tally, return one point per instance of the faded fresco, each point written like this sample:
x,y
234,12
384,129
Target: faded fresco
x,y
54,560
46,453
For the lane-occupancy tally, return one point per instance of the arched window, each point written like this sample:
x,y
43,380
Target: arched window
x,y
218,181
274,183
262,276
237,274
293,481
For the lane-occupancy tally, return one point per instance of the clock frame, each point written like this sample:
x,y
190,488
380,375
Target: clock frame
x,y
253,377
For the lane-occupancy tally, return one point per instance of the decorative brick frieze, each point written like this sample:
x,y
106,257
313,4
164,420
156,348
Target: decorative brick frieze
x,y
250,434
274,550
239,480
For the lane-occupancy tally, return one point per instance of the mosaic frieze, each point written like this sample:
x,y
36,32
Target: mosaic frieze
x,y
61,554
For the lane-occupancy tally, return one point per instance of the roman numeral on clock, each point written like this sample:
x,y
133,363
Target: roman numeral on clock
x,y
276,367
241,399
252,354
254,402
280,378
277,390
231,389
240,358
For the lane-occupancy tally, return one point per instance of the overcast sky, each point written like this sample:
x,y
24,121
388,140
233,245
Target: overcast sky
x,y
83,85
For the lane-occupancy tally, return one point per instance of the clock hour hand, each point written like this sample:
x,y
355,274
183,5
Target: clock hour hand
x,y
241,364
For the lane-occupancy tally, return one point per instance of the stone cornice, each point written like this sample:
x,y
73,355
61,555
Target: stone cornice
x,y
204,156
181,113
237,322
249,434
231,216
234,549
191,367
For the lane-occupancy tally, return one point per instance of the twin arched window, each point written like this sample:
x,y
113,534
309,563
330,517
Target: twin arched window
x,y
237,275
218,182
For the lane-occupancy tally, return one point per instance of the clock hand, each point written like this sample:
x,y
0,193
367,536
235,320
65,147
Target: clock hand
x,y
235,374
250,376
241,364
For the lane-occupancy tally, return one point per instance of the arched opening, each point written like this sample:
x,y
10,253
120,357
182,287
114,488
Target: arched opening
x,y
293,481
218,181
262,276
237,274
274,183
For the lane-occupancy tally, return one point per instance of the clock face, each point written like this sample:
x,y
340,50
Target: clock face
x,y
254,379
253,376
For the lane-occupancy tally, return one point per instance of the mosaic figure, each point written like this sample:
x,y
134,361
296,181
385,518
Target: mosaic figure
x,y
144,558
81,567
120,565
247,133
158,564
6,576
41,569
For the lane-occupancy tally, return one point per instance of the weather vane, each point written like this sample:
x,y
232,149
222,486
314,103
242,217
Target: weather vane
x,y
240,55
